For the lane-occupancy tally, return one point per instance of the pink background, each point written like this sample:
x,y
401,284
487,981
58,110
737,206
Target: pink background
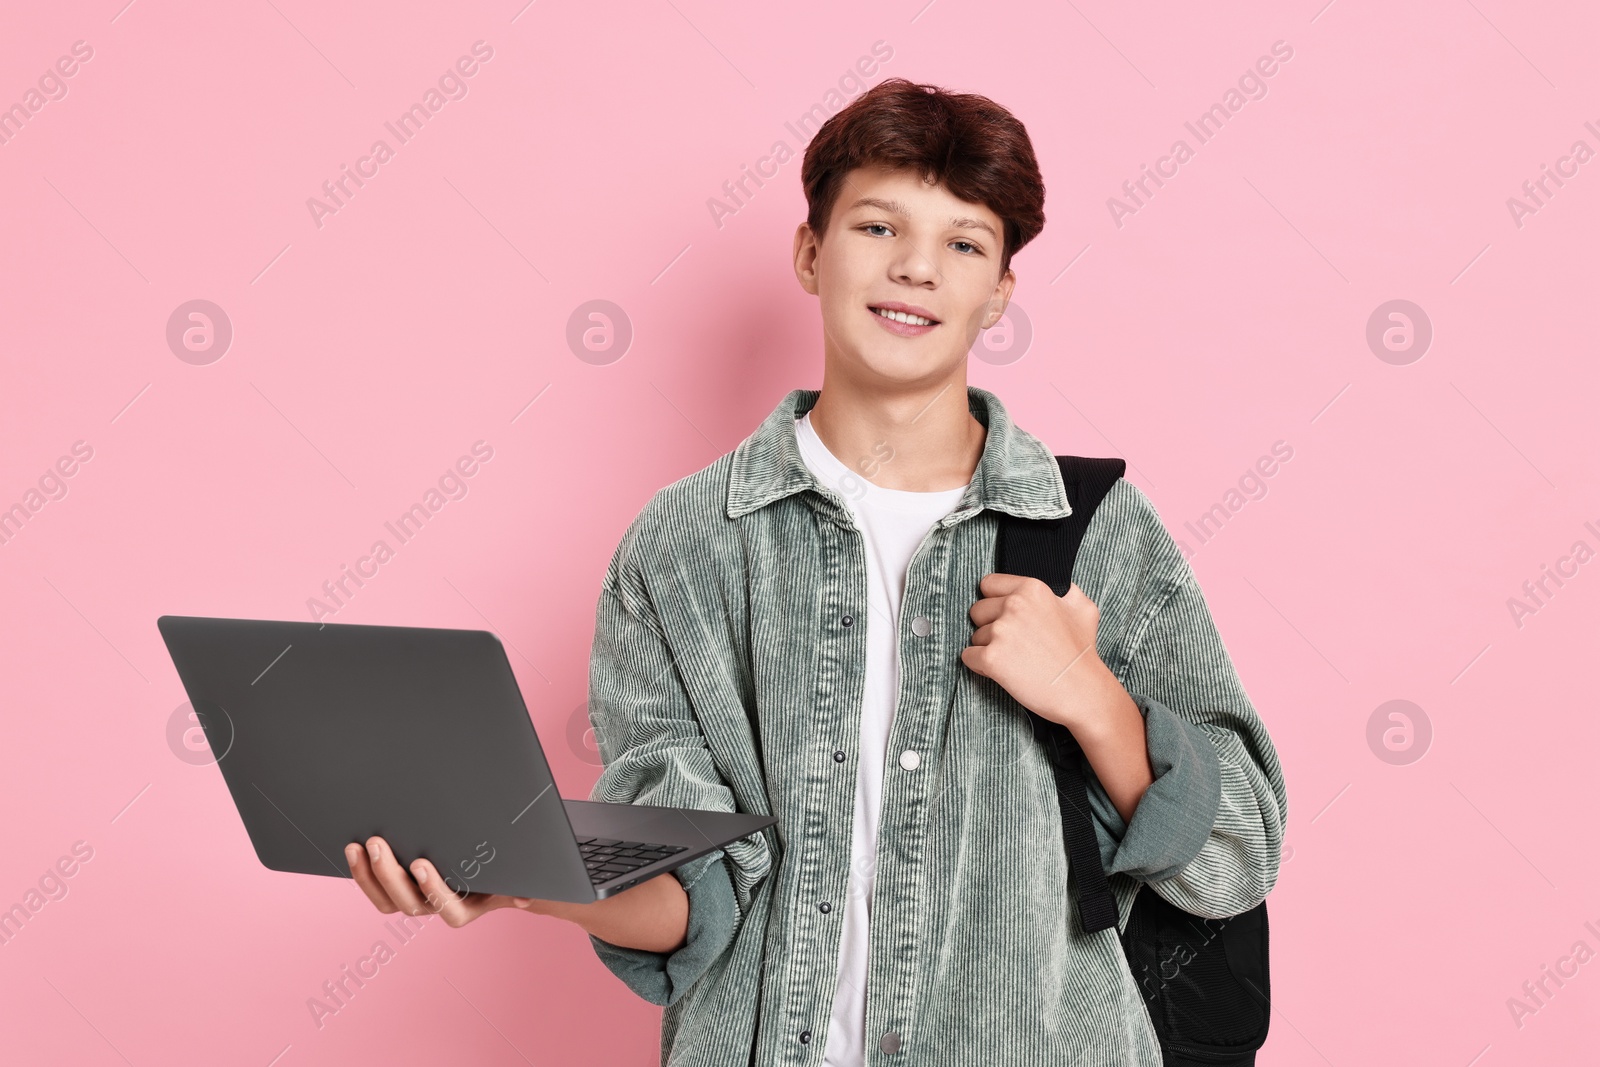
x,y
1229,312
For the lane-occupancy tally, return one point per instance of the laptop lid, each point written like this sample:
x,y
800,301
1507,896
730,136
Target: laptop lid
x,y
329,733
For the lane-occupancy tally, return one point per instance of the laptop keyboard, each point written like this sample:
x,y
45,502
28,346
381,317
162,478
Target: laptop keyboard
x,y
606,857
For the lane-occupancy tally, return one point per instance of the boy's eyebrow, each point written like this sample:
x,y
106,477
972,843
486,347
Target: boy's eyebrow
x,y
895,207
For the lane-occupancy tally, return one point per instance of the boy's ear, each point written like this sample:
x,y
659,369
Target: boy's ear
x,y
805,257
1002,297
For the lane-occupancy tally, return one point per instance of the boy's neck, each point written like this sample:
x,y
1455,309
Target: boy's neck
x,y
918,440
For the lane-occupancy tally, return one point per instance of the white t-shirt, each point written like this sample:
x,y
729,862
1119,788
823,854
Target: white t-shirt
x,y
893,523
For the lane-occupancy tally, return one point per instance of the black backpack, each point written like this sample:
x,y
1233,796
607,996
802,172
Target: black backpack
x,y
1204,981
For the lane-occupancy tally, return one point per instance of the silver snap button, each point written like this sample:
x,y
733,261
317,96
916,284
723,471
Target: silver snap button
x,y
838,756
889,1043
922,626
847,620
909,759
824,907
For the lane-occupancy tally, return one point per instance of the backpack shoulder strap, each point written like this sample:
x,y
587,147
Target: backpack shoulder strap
x,y
1047,549
1225,1005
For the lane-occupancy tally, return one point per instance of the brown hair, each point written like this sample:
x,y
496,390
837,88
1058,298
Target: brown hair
x,y
973,146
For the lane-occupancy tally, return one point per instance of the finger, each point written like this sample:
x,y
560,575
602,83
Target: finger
x,y
395,879
454,908
982,635
361,869
1000,584
986,610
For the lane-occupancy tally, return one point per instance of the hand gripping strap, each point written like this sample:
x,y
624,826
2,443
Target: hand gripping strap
x,y
1047,549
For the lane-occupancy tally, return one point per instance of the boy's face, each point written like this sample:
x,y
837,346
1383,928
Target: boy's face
x,y
893,239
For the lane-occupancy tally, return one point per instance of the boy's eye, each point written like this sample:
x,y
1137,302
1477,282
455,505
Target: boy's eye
x,y
964,247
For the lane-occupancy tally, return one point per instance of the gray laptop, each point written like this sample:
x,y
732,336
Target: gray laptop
x,y
330,733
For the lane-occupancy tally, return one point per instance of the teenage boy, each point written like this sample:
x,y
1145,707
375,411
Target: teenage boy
x,y
811,627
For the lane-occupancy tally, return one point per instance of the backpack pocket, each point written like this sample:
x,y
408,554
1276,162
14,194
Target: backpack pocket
x,y
1204,981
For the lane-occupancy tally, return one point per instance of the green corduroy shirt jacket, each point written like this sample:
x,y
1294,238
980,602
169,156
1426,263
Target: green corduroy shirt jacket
x,y
727,674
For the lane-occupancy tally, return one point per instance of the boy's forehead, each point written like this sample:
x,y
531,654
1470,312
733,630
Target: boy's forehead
x,y
907,191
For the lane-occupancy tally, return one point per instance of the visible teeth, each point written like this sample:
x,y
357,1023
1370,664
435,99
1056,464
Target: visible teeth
x,y
901,316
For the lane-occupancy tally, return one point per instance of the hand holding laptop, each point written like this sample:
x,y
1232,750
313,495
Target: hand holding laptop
x,y
653,915
418,891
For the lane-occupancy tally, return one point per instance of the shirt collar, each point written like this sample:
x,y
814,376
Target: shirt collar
x,y
1016,472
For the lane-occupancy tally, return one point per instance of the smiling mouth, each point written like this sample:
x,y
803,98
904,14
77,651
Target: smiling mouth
x,y
904,317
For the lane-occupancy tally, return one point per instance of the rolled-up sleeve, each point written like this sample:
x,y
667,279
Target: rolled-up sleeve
x,y
1208,833
654,753
663,977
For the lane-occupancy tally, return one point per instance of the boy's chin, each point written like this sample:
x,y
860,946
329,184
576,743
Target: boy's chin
x,y
906,368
